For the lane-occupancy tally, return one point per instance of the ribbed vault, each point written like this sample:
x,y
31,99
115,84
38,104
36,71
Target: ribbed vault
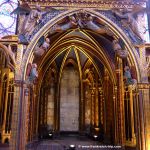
x,y
85,48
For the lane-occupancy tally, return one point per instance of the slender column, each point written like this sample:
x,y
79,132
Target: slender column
x,y
141,121
56,110
96,105
137,119
144,118
37,113
32,113
132,116
22,131
120,102
81,124
82,108
4,134
105,103
25,118
115,115
146,95
57,114
15,117
144,101
18,98
92,106
101,110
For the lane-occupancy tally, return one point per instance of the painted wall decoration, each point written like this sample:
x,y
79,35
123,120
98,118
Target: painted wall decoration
x,y
7,21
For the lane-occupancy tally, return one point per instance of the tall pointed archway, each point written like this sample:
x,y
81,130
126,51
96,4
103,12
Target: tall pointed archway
x,y
100,80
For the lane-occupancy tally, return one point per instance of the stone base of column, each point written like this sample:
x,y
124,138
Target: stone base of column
x,y
5,137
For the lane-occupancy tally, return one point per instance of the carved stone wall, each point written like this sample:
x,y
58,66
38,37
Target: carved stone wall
x,y
69,100
50,109
87,107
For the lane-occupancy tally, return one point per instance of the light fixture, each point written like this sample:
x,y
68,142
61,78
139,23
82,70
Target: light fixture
x,y
95,137
50,135
72,147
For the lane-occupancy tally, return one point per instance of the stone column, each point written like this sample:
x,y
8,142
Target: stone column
x,y
38,94
17,103
105,103
57,109
4,134
133,140
144,101
137,118
101,109
115,115
120,103
82,109
36,112
14,140
31,111
92,106
144,112
96,104
24,123
20,117
141,122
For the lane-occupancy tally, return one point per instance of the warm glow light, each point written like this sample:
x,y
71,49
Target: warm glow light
x,y
50,134
95,136
72,146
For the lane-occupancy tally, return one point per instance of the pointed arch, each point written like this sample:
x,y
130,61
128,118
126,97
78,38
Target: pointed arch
x,y
133,55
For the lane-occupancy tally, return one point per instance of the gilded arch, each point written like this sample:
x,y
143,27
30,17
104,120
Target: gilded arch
x,y
133,56
19,139
94,47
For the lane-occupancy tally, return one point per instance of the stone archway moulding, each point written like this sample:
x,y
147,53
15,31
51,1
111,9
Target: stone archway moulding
x,y
133,55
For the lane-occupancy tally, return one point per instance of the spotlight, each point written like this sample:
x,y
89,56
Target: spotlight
x,y
95,137
72,147
50,135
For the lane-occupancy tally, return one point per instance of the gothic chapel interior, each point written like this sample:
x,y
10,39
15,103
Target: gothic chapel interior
x,y
74,68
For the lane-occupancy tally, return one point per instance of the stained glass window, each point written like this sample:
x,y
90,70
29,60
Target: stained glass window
x,y
7,21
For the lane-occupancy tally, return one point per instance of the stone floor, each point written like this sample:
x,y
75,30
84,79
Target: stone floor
x,y
63,143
